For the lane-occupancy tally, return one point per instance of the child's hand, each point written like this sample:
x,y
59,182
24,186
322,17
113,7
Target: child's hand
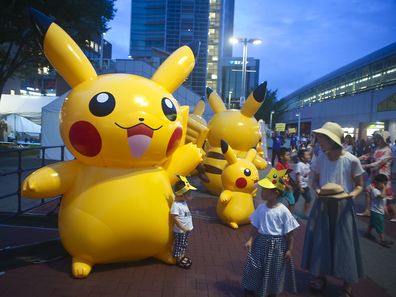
x,y
248,244
288,255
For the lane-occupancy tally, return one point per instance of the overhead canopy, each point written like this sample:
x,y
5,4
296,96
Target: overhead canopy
x,y
25,106
20,124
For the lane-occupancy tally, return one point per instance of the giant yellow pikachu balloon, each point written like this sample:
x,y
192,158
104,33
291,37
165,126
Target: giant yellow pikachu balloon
x,y
238,128
127,134
239,178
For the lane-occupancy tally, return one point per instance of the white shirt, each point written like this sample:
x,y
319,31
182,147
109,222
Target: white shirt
x,y
341,171
180,208
273,221
303,169
377,202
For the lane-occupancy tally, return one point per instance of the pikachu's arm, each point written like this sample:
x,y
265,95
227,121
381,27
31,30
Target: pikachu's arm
x,y
183,161
51,180
260,162
225,196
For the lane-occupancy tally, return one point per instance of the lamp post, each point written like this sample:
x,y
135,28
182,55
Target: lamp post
x,y
270,126
101,50
229,99
244,41
298,125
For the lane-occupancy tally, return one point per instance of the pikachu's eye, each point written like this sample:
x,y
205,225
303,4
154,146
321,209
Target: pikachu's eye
x,y
169,109
102,104
247,172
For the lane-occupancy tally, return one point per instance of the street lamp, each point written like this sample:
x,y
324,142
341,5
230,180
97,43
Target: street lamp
x,y
270,126
101,50
229,99
298,125
244,41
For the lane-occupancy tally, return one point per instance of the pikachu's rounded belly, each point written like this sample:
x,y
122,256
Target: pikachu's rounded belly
x,y
238,210
115,215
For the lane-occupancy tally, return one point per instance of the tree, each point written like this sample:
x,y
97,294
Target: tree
x,y
19,51
270,103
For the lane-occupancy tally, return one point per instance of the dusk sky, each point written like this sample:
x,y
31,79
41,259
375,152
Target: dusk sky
x,y
303,40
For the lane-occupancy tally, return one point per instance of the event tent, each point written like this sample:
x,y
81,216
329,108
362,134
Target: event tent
x,y
20,124
26,106
50,133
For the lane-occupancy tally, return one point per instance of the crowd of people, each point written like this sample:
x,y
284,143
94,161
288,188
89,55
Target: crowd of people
x,y
330,171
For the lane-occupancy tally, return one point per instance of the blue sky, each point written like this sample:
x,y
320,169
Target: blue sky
x,y
303,40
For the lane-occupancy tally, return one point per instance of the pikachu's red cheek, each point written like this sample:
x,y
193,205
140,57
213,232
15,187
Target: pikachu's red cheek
x,y
241,182
174,140
85,138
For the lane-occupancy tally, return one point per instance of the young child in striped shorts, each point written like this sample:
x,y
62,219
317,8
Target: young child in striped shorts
x,y
183,224
269,263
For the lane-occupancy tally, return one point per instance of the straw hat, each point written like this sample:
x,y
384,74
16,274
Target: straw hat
x,y
332,190
384,135
332,130
187,186
273,180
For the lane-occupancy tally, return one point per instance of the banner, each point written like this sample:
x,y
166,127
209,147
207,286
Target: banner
x,y
292,130
280,127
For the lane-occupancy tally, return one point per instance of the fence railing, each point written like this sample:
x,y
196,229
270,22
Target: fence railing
x,y
12,164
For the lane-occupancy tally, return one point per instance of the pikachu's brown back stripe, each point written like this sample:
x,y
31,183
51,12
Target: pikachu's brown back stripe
x,y
212,169
215,155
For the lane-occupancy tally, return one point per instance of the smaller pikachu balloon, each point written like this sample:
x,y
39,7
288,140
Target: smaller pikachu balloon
x,y
239,178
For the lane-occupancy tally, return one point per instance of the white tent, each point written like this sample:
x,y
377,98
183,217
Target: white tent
x,y
25,106
50,133
20,124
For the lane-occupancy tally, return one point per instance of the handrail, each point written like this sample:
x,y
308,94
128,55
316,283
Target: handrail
x,y
19,170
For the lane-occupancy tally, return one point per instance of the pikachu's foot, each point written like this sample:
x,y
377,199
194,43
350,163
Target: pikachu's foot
x,y
234,225
81,268
166,256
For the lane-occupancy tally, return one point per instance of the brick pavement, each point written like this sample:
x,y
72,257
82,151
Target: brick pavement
x,y
217,252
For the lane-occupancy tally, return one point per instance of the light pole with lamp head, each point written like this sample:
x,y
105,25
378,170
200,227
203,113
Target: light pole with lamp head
x,y
244,41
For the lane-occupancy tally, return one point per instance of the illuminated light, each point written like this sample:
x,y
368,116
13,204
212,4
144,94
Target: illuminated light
x,y
257,41
214,76
233,40
377,75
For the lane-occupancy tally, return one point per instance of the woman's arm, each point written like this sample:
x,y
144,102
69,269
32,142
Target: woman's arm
x,y
358,180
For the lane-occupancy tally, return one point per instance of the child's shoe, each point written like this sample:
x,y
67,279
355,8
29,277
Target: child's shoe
x,y
386,243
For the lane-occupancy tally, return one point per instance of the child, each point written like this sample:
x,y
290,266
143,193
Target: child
x,y
287,197
303,170
183,221
269,262
378,208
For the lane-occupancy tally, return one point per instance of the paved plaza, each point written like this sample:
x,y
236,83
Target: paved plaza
x,y
217,252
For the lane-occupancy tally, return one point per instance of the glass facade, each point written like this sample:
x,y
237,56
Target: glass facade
x,y
221,24
374,71
167,25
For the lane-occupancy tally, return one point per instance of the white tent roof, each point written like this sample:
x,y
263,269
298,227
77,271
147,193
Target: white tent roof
x,y
22,125
25,106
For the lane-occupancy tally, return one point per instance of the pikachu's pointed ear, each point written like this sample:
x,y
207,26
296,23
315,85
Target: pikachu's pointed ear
x,y
200,107
61,51
176,68
251,154
255,100
215,101
228,153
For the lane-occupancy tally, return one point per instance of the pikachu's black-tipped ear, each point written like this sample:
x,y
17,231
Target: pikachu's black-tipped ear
x,y
41,23
224,146
255,100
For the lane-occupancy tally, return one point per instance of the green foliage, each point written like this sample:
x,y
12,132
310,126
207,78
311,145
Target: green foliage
x,y
82,19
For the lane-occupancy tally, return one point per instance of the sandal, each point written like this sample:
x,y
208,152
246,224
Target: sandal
x,y
184,263
318,283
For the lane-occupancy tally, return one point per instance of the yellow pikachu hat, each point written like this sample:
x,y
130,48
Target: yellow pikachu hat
x,y
187,186
273,180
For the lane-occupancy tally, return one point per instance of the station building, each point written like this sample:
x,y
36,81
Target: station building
x,y
360,96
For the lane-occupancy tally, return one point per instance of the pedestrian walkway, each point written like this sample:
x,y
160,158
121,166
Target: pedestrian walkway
x,y
218,256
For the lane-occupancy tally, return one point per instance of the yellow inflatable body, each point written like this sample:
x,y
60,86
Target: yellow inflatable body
x,y
238,128
239,178
127,134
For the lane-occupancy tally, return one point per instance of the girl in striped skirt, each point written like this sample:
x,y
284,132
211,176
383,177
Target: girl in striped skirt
x,y
269,266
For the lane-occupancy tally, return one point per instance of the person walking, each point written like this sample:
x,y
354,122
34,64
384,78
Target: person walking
x,y
331,245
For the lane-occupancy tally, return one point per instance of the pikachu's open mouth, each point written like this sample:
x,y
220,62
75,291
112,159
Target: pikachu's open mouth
x,y
139,138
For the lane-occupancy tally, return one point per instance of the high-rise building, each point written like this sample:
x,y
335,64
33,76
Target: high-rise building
x,y
231,86
221,28
165,25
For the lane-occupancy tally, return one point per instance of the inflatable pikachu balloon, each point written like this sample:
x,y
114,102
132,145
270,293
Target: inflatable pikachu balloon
x,y
239,178
197,126
238,128
127,134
